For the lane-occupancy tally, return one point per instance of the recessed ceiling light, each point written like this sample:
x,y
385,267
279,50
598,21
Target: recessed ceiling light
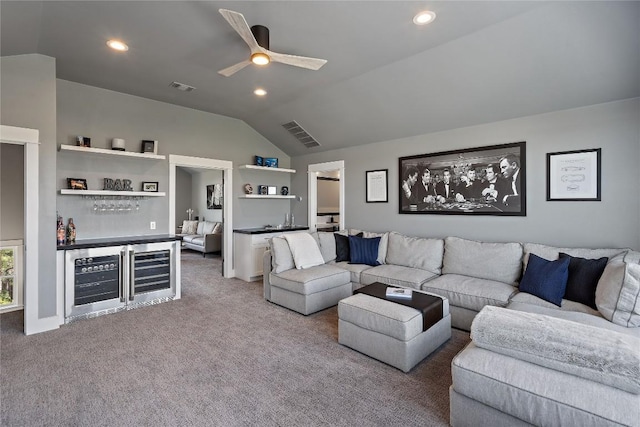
x,y
117,45
260,92
424,17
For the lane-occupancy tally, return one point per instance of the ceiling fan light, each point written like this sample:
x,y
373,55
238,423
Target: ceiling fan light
x,y
117,45
260,58
424,17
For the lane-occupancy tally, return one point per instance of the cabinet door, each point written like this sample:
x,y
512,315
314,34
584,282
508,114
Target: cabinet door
x,y
259,244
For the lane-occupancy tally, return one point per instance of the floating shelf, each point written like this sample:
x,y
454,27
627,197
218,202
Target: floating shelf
x,y
69,192
65,147
266,196
266,168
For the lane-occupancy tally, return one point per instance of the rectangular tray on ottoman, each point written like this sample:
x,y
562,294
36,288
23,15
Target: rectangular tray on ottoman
x,y
390,331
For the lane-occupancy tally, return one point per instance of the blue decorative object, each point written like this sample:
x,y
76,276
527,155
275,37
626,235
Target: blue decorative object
x,y
546,279
364,250
271,162
259,161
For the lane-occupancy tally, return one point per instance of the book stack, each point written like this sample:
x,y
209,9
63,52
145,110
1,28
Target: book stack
x,y
400,293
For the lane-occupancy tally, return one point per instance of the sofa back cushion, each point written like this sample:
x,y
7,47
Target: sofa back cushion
x,y
552,253
501,262
218,228
327,245
416,252
618,290
281,257
207,227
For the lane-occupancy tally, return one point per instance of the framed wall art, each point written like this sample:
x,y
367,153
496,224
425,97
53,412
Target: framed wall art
x,y
214,196
574,175
77,183
377,186
151,187
488,180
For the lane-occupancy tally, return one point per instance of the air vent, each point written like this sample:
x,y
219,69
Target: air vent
x,y
181,86
301,135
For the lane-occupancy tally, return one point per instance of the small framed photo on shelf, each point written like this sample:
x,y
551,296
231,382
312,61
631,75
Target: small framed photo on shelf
x,y
259,161
83,141
377,186
263,189
77,183
574,175
151,187
271,162
150,147
272,190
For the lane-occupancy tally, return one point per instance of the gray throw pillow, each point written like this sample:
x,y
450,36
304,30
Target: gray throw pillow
x,y
618,291
281,257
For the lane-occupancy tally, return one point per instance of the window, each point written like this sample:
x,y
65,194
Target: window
x,y
11,275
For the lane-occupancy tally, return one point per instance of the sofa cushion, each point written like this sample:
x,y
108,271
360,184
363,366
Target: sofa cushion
x,y
327,245
389,274
415,252
553,253
189,227
583,278
546,279
310,280
304,249
618,291
586,351
470,292
217,229
355,269
363,250
196,240
281,258
501,262
190,238
208,227
200,228
567,305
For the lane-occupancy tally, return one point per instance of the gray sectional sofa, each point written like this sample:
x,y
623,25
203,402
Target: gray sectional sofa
x,y
579,365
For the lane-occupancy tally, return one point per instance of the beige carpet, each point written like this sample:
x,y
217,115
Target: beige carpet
x,y
220,356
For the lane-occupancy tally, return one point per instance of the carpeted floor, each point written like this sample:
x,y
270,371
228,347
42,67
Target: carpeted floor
x,y
220,356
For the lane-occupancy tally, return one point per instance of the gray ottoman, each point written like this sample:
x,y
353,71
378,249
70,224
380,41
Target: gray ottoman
x,y
390,332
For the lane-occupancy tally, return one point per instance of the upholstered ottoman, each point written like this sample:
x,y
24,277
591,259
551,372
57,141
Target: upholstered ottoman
x,y
390,332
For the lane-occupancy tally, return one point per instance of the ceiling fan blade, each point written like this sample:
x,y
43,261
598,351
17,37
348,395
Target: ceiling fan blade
x,y
297,61
234,68
238,23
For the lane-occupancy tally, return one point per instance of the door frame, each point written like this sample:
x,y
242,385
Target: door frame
x,y
29,138
227,208
312,179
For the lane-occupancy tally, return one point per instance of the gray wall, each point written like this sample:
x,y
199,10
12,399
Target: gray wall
x,y
28,99
183,194
613,222
199,194
102,115
11,192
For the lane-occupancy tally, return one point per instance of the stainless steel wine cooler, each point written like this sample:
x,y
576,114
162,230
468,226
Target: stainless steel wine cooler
x,y
109,279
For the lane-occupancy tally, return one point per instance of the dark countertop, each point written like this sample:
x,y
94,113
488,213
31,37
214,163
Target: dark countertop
x,y
116,241
263,230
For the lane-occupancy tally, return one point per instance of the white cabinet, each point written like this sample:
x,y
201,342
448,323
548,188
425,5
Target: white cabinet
x,y
248,251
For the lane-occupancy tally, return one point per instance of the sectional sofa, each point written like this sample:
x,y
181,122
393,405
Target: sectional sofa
x,y
540,357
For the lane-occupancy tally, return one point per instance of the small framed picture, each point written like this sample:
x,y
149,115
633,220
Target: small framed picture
x,y
151,187
262,189
83,141
259,161
377,186
77,183
574,175
150,146
272,190
271,162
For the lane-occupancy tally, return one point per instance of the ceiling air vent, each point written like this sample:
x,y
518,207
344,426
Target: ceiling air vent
x,y
301,135
181,86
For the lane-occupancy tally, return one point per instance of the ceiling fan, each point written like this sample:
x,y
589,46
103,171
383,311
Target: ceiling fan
x,y
257,37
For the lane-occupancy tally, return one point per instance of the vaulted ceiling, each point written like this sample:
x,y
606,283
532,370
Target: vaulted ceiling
x,y
386,78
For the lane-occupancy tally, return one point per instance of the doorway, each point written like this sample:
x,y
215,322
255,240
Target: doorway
x,y
201,163
328,169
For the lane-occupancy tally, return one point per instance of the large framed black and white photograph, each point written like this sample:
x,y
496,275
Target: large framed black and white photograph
x,y
574,175
214,196
489,180
377,186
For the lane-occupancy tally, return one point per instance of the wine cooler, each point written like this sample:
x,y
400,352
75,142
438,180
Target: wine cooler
x,y
115,278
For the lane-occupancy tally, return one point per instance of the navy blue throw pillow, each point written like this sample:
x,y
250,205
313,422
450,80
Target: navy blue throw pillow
x,y
363,250
342,247
546,279
583,279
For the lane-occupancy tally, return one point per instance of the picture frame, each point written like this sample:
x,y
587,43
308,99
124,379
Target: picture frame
x,y
149,147
487,180
262,189
574,175
77,184
150,187
214,196
271,162
272,190
377,186
258,160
